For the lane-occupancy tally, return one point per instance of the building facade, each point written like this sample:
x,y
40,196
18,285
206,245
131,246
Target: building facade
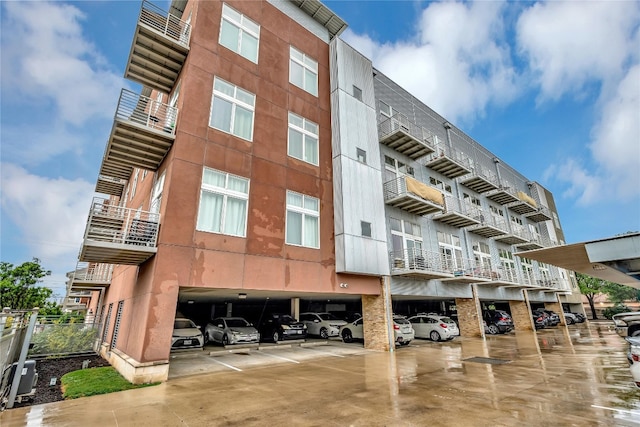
x,y
267,166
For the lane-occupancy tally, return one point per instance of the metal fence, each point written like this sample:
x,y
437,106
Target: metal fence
x,y
53,337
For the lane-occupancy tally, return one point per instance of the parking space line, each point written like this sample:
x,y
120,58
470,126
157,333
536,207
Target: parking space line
x,y
323,352
280,357
228,366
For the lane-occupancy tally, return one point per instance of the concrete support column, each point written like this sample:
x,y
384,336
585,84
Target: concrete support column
x,y
557,307
470,315
521,314
229,309
295,308
377,322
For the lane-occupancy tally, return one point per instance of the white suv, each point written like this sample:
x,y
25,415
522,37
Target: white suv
x,y
323,324
403,333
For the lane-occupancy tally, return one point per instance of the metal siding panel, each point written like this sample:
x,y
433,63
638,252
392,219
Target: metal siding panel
x,y
301,18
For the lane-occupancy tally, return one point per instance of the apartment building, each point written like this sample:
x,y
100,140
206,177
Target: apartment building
x,y
267,166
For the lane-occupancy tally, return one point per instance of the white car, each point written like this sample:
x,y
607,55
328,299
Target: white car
x,y
324,325
402,331
231,330
186,334
434,327
634,358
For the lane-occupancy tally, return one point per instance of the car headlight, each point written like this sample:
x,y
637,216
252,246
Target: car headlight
x,y
285,327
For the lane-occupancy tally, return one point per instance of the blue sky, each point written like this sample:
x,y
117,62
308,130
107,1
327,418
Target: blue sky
x,y
551,88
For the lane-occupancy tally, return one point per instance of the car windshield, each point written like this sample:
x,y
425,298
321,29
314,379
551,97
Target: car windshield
x,y
327,316
285,319
183,324
237,323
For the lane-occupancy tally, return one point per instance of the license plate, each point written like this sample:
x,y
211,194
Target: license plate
x,y
187,342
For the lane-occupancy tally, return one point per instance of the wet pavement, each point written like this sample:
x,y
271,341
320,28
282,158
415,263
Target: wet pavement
x,y
564,376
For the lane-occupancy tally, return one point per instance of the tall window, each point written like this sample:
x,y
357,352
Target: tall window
x,y
482,255
508,265
156,195
239,33
223,203
232,109
439,184
303,71
303,139
303,220
406,240
450,251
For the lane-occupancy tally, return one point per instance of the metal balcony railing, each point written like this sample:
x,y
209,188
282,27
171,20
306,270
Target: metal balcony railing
x,y
458,213
165,23
480,180
399,133
448,161
421,262
117,224
145,111
413,196
93,272
542,214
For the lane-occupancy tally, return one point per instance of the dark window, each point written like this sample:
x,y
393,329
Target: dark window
x,y
366,228
362,155
357,93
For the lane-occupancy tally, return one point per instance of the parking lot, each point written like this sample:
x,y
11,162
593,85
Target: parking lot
x,y
576,375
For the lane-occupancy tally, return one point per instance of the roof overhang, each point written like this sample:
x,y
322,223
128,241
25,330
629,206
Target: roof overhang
x,y
616,259
322,14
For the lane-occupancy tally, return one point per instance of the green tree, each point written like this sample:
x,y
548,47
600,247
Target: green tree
x,y
590,287
619,293
18,288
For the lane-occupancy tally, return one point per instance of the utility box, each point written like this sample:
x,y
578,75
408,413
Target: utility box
x,y
28,378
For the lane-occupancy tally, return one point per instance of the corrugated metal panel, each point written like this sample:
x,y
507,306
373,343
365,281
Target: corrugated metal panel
x,y
500,293
432,288
357,186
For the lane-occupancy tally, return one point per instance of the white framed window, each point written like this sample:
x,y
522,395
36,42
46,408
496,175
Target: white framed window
x,y
232,109
385,109
450,251
239,33
303,220
406,241
439,184
361,155
223,203
496,211
471,199
303,71
303,139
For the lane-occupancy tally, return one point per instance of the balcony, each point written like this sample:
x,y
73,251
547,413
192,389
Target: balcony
x,y
466,271
533,242
119,235
89,275
449,162
142,134
503,195
420,264
399,133
517,235
413,196
110,185
480,180
159,50
505,276
541,215
524,205
458,213
489,226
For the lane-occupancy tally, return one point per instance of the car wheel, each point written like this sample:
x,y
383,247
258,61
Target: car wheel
x,y
324,334
570,321
635,333
434,336
347,336
225,340
276,337
493,329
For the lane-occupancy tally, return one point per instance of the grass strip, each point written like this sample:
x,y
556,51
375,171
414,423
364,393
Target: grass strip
x,y
93,381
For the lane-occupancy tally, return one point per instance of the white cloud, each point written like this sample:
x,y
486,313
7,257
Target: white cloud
x,y
576,47
51,213
46,58
571,44
457,73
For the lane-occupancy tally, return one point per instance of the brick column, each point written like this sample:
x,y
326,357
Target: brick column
x,y
376,314
470,315
521,314
557,307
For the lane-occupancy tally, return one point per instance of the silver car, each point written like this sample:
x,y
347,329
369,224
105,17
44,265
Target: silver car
x,y
231,330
